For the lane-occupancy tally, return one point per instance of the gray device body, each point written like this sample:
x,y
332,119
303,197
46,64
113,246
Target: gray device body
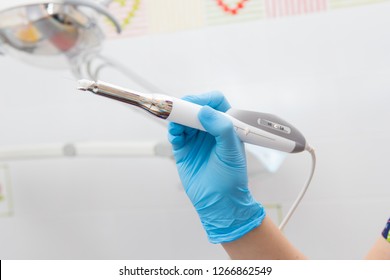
x,y
271,124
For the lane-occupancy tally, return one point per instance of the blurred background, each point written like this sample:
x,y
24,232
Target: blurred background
x,y
323,65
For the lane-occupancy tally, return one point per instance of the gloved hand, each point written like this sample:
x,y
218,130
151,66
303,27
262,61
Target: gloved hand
x,y
213,171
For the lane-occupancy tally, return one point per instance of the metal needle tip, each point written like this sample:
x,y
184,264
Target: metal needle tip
x,y
85,84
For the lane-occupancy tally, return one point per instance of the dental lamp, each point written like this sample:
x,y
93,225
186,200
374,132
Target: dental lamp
x,y
61,34
56,33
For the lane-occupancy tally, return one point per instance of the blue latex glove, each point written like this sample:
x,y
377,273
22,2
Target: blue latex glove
x,y
212,168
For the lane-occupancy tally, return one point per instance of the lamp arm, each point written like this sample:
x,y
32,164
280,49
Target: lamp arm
x,y
99,7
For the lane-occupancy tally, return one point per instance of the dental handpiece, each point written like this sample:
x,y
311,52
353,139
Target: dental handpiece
x,y
256,128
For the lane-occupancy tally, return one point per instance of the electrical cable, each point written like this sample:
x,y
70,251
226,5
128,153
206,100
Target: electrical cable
x,y
303,191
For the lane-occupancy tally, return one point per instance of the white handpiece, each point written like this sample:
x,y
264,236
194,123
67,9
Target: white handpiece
x,y
253,128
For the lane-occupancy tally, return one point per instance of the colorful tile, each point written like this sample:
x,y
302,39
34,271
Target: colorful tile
x,y
131,15
175,15
141,17
335,4
231,11
281,8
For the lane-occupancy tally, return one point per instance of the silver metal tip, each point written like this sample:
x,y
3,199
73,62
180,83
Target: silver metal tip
x,y
85,84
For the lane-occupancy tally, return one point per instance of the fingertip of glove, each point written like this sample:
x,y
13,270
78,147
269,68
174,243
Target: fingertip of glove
x,y
207,113
175,129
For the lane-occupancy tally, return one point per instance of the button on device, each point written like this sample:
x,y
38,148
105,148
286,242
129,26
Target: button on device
x,y
274,125
285,129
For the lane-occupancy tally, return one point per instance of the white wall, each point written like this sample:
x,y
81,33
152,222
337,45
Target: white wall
x,y
328,74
